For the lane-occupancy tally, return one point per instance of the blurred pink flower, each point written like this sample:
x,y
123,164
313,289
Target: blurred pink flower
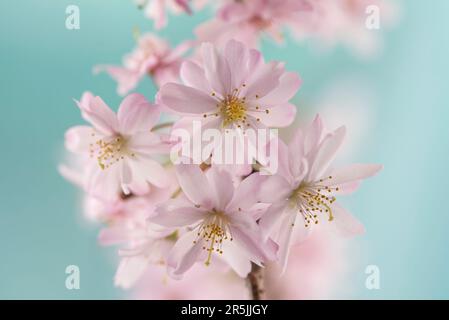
x,y
306,187
344,21
152,57
127,223
156,10
220,221
233,88
119,146
246,21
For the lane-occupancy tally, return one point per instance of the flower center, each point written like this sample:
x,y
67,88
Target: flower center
x,y
233,109
313,199
109,151
214,230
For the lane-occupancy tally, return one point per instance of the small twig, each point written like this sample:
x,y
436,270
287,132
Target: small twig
x,y
256,283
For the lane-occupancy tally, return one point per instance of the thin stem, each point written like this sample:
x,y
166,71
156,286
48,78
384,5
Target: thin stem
x,y
256,283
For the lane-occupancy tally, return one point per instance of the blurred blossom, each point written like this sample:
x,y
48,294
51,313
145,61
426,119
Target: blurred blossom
x,y
344,21
152,57
327,22
156,10
247,21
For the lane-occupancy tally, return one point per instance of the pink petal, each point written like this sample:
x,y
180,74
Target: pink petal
x,y
130,270
177,53
208,31
216,69
285,236
236,258
237,56
346,223
150,170
247,193
326,153
264,80
196,186
289,84
278,117
171,215
113,235
297,161
275,189
353,172
184,254
156,11
148,143
312,136
271,219
251,242
104,184
137,114
184,5
99,115
186,100
221,180
193,76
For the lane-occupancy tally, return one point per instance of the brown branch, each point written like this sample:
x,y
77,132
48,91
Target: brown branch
x,y
256,283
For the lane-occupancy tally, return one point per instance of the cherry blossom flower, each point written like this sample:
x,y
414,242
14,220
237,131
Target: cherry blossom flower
x,y
152,57
119,146
246,21
233,88
306,187
220,221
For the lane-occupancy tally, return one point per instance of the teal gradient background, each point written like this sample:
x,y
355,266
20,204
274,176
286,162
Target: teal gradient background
x,y
44,66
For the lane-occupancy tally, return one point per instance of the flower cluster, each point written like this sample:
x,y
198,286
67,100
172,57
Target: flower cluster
x,y
193,217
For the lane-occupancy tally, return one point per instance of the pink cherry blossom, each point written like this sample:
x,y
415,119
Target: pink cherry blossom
x,y
220,221
233,88
152,57
246,21
156,10
306,187
119,147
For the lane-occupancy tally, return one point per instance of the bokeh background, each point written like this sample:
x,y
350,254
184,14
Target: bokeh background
x,y
396,106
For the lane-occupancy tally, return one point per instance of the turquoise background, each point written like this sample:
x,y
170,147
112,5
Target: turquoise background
x,y
43,66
